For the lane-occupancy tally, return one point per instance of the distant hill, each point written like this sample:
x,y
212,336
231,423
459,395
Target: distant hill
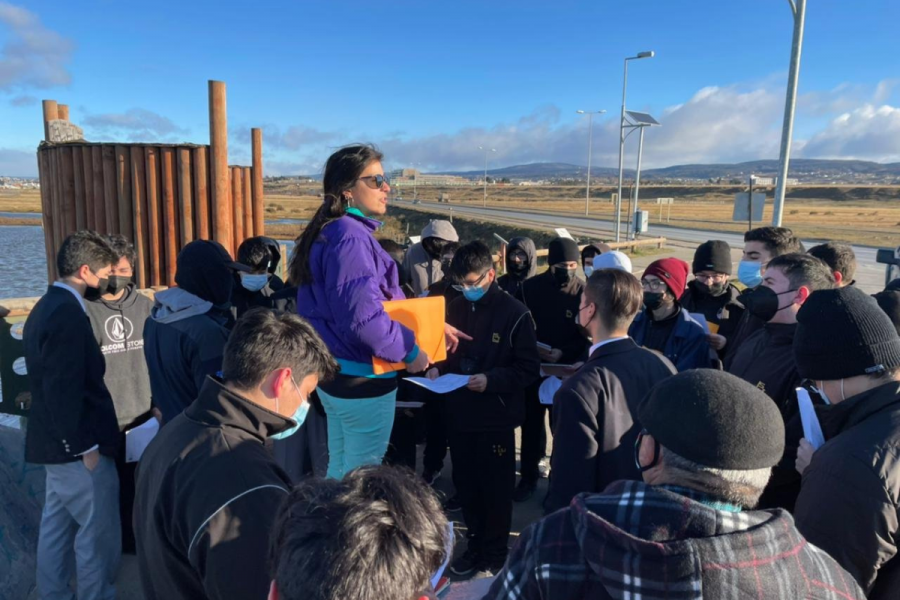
x,y
807,170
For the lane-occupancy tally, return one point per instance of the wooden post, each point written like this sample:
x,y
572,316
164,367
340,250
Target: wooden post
x,y
110,191
259,221
170,223
78,172
99,192
123,192
47,213
51,113
139,213
248,202
151,173
185,210
201,193
88,174
237,201
218,167
62,111
56,203
67,174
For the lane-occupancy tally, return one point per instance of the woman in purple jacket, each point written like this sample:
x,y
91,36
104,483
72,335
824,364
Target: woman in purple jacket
x,y
343,277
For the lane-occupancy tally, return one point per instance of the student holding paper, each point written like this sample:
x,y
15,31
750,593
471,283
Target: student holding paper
x,y
117,318
344,277
848,504
500,362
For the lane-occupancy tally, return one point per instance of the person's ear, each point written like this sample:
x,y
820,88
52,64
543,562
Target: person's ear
x,y
838,278
273,591
647,451
802,294
84,272
280,382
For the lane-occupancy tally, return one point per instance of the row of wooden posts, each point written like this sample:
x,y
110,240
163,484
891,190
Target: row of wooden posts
x,y
159,196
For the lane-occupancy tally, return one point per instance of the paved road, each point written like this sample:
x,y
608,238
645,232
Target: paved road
x,y
869,276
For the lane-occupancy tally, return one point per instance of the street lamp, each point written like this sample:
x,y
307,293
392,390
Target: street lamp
x,y
416,180
798,8
640,55
486,150
640,121
590,114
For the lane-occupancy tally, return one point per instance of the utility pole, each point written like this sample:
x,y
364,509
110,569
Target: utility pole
x,y
798,8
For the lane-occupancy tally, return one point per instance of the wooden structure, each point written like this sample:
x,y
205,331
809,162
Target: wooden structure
x,y
159,196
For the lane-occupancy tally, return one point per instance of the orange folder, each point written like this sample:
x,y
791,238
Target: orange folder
x,y
425,316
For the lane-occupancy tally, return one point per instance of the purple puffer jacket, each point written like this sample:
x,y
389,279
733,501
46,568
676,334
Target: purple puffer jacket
x,y
352,276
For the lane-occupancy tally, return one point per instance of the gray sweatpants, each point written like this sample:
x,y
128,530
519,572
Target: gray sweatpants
x,y
80,527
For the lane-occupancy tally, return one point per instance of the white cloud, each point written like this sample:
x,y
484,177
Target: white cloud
x,y
869,133
33,56
135,124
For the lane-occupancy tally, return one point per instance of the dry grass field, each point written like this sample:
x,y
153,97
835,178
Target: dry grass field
x,y
855,214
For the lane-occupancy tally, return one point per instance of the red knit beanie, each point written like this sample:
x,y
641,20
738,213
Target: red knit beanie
x,y
673,271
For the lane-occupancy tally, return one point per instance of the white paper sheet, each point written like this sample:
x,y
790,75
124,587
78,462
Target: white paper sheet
x,y
137,439
443,384
812,430
548,389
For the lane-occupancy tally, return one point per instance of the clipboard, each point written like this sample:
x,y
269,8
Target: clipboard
x,y
425,316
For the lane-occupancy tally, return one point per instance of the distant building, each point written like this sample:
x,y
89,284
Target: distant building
x,y
414,177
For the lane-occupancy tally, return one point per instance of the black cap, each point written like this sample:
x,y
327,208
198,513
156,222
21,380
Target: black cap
x,y
563,250
204,268
714,419
889,301
714,255
844,333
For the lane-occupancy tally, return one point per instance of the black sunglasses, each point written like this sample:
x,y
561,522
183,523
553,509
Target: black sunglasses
x,y
376,182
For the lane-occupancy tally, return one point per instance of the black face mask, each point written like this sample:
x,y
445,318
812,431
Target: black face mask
x,y
653,300
714,290
563,276
117,283
763,302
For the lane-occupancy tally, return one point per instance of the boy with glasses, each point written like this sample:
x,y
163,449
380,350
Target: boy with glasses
x,y
664,325
500,360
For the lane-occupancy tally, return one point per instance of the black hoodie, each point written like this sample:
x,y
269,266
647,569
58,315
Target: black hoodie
x,y
511,283
554,309
119,330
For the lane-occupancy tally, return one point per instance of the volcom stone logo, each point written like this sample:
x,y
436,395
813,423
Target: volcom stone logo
x,y
119,328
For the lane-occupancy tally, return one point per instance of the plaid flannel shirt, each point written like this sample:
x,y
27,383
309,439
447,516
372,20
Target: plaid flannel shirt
x,y
640,542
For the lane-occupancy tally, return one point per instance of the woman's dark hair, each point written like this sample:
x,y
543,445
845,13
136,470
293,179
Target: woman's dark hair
x,y
379,533
341,172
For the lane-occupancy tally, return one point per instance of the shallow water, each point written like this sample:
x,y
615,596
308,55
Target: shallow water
x,y
23,264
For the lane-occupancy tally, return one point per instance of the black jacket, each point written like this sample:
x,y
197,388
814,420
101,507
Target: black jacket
x,y
849,504
766,360
747,325
504,348
554,309
723,311
594,423
71,409
243,299
285,299
207,493
119,330
184,340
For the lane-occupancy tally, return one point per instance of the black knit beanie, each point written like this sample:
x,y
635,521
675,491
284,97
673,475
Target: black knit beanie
x,y
844,333
714,255
563,250
714,419
889,301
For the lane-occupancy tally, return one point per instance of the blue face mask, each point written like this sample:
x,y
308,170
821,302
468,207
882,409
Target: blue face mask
x,y
750,273
299,416
254,283
474,294
588,270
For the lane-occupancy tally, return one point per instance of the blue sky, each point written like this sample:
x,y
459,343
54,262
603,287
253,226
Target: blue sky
x,y
430,82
